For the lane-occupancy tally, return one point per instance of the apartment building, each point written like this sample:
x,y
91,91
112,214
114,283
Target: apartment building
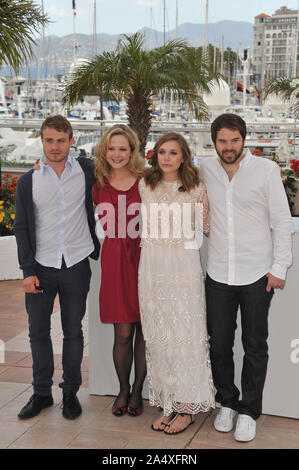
x,y
275,50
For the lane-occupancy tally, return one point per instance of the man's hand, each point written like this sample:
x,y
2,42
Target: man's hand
x,y
274,282
29,284
37,165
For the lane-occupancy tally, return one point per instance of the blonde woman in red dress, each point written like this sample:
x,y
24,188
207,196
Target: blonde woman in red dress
x,y
118,169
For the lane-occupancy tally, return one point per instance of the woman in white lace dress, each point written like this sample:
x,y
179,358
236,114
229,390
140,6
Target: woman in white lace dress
x,y
171,287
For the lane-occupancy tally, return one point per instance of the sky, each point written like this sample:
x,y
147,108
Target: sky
x,y
127,16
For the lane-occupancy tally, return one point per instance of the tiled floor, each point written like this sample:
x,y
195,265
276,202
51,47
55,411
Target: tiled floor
x,y
96,428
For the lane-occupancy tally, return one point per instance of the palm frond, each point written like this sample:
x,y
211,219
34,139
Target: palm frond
x,y
287,89
138,75
19,21
279,86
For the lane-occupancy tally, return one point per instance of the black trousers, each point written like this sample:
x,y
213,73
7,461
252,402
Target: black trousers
x,y
223,301
72,286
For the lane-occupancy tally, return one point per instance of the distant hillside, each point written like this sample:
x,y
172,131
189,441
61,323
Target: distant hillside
x,y
59,50
234,33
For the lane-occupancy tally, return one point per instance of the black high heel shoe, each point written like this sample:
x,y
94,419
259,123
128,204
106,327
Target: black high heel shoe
x,y
136,411
120,411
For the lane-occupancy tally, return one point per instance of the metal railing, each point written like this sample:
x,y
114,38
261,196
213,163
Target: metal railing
x,y
161,126
265,135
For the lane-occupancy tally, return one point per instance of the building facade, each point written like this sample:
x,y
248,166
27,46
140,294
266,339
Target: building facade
x,y
275,45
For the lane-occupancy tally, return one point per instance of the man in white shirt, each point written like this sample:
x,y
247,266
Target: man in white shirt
x,y
249,251
55,232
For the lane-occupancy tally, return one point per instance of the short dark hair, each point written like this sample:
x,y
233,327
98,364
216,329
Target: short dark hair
x,y
59,123
228,121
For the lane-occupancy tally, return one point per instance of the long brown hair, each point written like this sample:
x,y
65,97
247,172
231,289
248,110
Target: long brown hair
x,y
188,173
103,168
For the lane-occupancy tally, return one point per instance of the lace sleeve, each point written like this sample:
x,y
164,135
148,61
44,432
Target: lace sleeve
x,y
141,188
202,211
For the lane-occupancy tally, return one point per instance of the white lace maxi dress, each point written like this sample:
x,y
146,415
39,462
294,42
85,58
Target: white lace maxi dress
x,y
172,303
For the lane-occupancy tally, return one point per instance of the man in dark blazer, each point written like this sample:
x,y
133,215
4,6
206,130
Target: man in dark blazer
x,y
55,232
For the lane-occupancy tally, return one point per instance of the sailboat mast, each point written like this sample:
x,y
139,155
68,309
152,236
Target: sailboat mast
x,y
74,31
222,55
228,66
177,19
296,43
164,22
215,56
43,44
151,28
205,40
94,43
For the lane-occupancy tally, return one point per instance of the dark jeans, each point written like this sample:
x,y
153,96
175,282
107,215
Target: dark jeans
x,y
223,301
72,286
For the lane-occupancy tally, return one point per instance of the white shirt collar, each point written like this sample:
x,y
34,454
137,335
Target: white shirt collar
x,y
69,163
246,159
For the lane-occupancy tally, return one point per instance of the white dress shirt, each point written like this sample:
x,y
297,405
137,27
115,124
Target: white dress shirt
x,y
60,215
241,247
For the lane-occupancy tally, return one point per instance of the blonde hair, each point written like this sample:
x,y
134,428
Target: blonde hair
x,y
103,168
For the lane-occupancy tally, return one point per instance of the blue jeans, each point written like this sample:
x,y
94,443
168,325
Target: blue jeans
x,y
72,286
223,301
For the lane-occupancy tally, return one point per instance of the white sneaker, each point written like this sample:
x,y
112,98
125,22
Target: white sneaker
x,y
245,428
224,421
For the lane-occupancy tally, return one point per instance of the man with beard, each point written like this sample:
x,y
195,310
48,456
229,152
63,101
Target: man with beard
x,y
55,232
249,252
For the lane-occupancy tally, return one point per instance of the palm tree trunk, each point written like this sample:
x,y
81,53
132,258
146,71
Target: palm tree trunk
x,y
139,113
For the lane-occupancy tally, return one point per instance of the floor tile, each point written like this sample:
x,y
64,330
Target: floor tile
x,y
276,422
145,442
46,436
3,368
11,391
97,428
99,439
13,357
10,432
17,374
24,396
273,438
10,411
24,375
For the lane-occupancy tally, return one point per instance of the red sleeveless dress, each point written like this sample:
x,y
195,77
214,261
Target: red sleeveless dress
x,y
120,253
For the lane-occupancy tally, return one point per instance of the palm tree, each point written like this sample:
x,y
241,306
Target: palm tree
x,y
286,88
19,21
138,75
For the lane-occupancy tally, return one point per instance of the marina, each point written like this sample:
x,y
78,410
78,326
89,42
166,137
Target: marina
x,y
20,140
272,126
